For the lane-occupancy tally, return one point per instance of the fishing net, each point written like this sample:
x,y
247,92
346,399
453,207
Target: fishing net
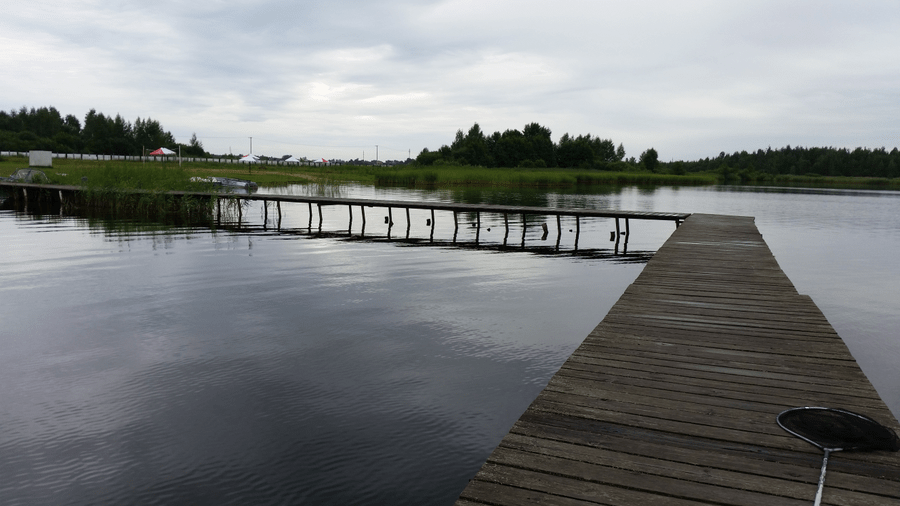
x,y
832,429
837,429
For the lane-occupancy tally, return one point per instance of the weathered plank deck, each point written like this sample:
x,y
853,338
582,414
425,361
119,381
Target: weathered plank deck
x,y
672,399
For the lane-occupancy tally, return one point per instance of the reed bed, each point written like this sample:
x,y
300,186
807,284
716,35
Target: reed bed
x,y
549,178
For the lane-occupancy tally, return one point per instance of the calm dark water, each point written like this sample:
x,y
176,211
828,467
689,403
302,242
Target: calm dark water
x,y
192,366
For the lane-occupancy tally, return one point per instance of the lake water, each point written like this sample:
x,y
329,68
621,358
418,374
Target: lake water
x,y
199,366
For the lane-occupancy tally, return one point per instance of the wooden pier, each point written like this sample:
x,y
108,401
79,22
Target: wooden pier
x,y
61,193
672,399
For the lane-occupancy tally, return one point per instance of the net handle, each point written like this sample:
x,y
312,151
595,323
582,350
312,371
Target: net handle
x,y
818,501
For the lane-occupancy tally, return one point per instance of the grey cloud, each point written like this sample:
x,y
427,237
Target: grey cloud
x,y
690,79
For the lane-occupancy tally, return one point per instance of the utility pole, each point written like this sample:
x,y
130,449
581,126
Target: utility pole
x,y
376,152
251,146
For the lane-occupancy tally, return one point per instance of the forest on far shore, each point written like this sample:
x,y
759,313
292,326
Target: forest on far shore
x,y
533,147
47,129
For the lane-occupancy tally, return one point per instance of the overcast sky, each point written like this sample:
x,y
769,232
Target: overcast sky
x,y
334,79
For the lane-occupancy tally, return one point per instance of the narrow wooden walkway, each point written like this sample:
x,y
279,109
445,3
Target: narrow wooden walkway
x,y
396,204
672,399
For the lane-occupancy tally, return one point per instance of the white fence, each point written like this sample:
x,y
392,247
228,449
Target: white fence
x,y
82,156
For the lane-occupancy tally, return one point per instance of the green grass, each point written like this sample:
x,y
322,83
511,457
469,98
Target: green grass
x,y
519,177
168,175
454,175
159,176
838,181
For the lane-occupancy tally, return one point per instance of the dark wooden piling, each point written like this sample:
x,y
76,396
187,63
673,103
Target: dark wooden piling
x,y
362,211
320,217
431,236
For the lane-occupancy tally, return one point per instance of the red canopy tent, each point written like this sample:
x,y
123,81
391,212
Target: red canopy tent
x,y
162,151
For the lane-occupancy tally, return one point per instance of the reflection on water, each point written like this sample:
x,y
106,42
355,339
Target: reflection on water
x,y
246,365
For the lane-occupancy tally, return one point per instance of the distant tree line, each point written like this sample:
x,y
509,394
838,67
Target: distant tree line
x,y
530,147
859,162
533,147
46,129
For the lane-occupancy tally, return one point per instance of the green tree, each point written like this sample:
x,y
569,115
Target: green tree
x,y
427,157
510,148
148,133
650,160
540,144
96,133
574,151
471,148
194,147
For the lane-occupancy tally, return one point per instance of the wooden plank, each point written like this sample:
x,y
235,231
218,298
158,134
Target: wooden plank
x,y
697,450
672,398
666,384
777,369
789,480
781,345
800,364
510,462
724,376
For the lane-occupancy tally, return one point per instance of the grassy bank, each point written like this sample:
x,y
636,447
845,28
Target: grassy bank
x,y
549,178
454,175
838,182
168,175
159,176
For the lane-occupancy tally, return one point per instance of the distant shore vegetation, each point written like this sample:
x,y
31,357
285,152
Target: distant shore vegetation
x,y
526,157
46,129
532,147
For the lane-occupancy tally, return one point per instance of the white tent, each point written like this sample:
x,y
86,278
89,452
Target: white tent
x,y
250,159
162,151
291,159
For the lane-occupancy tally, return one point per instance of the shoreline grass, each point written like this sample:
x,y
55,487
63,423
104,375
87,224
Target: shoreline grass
x,y
168,175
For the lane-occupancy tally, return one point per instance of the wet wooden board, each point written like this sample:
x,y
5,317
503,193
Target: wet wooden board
x,y
672,399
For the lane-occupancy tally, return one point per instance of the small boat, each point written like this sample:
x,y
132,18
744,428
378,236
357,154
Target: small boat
x,y
227,182
26,176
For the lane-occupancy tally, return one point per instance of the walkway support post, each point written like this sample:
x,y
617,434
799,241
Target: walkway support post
x,y
390,221
578,230
524,227
431,237
320,218
558,230
477,226
506,224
